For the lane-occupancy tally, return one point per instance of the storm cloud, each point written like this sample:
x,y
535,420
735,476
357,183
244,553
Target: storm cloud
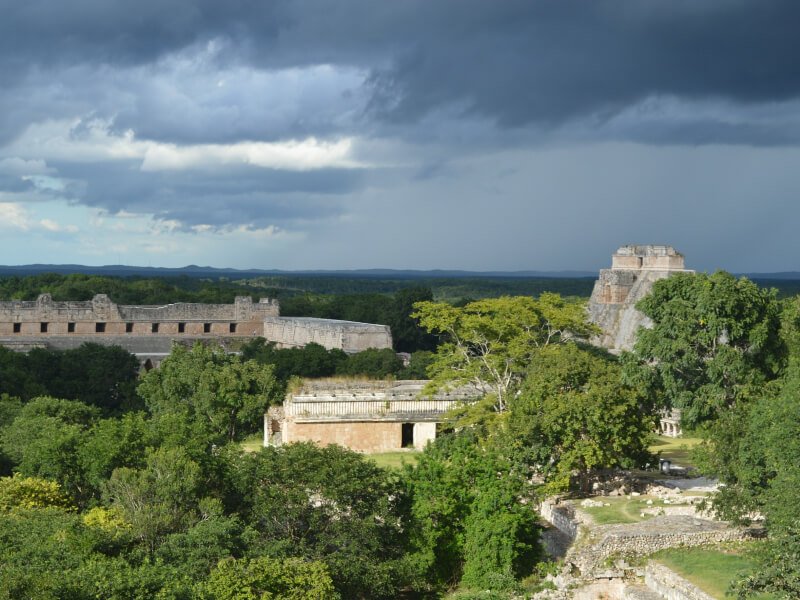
x,y
306,117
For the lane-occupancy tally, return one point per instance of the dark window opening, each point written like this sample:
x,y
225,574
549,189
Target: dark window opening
x,y
17,327
232,328
181,327
43,327
154,328
99,327
148,365
407,440
70,327
206,327
128,327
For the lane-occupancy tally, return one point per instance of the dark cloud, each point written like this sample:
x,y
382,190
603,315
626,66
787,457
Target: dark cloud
x,y
503,126
517,62
241,197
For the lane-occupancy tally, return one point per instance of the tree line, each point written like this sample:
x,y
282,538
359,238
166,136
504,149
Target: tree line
x,y
162,502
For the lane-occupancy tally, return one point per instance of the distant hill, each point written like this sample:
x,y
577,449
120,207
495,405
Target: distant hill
x,y
214,272
789,275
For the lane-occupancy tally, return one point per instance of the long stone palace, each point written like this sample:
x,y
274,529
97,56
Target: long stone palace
x,y
148,331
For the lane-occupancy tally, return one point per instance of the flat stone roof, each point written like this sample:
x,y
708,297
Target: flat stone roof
x,y
320,321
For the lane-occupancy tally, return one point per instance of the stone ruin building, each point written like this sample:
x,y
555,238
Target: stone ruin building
x,y
148,331
366,416
634,270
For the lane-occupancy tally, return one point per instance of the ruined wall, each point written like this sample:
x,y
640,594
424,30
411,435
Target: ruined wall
x,y
561,516
634,271
349,336
650,536
364,415
44,318
358,436
670,585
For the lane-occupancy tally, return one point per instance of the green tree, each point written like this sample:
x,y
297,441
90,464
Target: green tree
x,y
110,444
471,515
312,360
754,448
30,492
417,366
213,389
326,504
406,332
373,362
259,578
714,340
159,499
574,415
102,376
44,438
213,538
489,343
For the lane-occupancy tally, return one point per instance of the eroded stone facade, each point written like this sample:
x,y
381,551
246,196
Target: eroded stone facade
x,y
45,318
634,270
149,330
366,416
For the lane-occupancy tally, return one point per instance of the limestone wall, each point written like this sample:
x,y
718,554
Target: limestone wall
x,y
348,400
364,415
349,336
634,271
562,516
358,436
46,318
650,536
670,585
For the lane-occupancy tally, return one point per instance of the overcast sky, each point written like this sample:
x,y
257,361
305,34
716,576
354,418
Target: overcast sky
x,y
470,134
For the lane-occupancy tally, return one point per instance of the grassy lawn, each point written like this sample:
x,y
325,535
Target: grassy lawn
x,y
621,509
677,450
253,443
394,460
710,569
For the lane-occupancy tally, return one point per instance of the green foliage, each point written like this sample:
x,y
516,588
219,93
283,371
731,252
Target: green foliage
x,y
574,415
110,444
406,333
468,515
159,499
417,365
44,438
312,360
489,343
30,492
204,544
9,409
714,341
261,578
108,520
124,290
777,566
102,376
218,392
118,579
372,362
327,504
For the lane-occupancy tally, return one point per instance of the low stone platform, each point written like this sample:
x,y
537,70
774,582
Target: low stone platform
x,y
647,537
